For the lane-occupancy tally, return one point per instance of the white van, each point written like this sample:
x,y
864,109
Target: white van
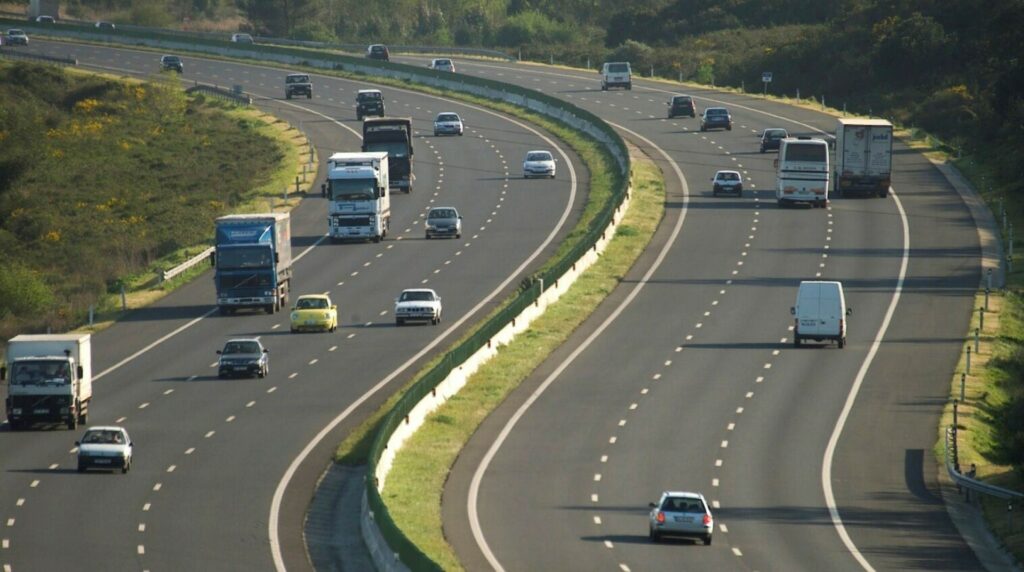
x,y
820,312
616,74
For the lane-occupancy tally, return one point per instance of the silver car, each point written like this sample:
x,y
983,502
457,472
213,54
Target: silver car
x,y
539,164
106,447
443,221
448,123
681,514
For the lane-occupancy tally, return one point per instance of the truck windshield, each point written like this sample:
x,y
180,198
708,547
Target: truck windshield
x,y
394,149
40,372
353,190
245,280
244,257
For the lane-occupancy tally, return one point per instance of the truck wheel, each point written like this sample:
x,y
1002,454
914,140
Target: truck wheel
x,y
73,422
83,418
842,343
796,341
269,308
287,96
883,193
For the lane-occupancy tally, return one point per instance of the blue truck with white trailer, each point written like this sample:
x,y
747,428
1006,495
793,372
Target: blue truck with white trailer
x,y
252,261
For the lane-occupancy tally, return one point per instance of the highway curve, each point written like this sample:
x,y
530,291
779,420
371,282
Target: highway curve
x,y
210,453
695,383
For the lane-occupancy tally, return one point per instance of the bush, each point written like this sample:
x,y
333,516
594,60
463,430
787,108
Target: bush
x,y
22,292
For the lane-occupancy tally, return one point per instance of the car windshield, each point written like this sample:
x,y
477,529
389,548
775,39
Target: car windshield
x,y
442,213
416,296
538,157
242,348
447,117
103,437
311,304
297,79
682,504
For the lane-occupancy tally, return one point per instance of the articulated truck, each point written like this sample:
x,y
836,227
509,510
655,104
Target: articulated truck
x,y
253,262
863,156
393,135
49,379
359,201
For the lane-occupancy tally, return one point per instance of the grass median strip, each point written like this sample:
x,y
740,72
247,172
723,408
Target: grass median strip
x,y
414,486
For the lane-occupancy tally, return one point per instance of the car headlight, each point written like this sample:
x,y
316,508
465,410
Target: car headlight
x,y
295,315
16,411
327,315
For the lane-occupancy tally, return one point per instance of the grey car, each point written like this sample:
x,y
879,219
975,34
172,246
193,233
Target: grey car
x,y
243,357
716,118
443,221
771,138
681,514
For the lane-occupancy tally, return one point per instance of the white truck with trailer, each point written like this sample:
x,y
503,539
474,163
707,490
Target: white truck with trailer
x,y
49,379
358,197
863,157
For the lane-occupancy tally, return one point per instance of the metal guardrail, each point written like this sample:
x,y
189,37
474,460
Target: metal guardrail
x,y
234,95
168,274
967,482
16,54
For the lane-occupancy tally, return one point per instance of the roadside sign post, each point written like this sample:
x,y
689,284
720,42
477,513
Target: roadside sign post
x,y
766,78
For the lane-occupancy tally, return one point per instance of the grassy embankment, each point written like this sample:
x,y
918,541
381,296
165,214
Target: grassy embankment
x,y
112,180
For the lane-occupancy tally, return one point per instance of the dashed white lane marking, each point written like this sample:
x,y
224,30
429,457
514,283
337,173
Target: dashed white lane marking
x,y
597,520
145,507
749,394
275,326
20,502
723,528
141,549
144,405
293,375
7,568
656,376
597,477
120,420
736,551
171,468
767,366
632,406
332,348
34,484
613,439
192,378
730,427
54,466
190,450
739,410
608,543
668,363
168,392
716,504
593,497
6,544
209,434
725,444
622,422
272,389
775,352
10,522
718,462
644,391
604,458
714,482
350,336
157,487
229,419
142,527
313,361
250,404
689,337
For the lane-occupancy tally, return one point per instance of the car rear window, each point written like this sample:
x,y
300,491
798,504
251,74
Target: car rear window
x,y
298,79
618,68
717,111
682,504
538,157
448,117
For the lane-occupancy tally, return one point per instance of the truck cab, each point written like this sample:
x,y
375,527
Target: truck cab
x,y
49,379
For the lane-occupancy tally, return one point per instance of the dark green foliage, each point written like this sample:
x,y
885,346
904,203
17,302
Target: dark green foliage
x,y
101,178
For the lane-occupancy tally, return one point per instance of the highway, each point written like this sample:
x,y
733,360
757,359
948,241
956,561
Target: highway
x,y
687,378
210,453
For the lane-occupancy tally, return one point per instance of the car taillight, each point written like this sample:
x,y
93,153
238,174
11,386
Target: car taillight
x,y
707,520
661,517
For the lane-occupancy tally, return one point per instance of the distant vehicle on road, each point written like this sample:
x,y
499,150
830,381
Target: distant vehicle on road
x,y
314,312
443,221
539,164
16,37
243,357
681,514
448,123
727,182
105,447
369,102
378,52
616,74
172,63
716,118
771,138
298,84
863,156
820,313
681,105
418,305
45,20
442,64
108,26
802,172
242,38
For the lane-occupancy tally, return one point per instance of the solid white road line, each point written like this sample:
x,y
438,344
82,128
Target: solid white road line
x,y
474,487
826,464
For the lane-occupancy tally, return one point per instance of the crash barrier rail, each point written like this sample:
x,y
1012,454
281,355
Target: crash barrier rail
x,y
967,483
235,95
17,54
404,554
202,256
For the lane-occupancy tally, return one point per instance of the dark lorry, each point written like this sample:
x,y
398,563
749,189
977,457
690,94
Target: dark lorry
x,y
394,136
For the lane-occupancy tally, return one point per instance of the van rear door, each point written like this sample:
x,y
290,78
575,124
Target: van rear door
x,y
808,311
830,308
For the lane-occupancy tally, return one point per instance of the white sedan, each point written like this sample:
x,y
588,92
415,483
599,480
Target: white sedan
x,y
539,164
105,447
418,304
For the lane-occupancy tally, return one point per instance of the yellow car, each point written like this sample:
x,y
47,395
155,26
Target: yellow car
x,y
314,312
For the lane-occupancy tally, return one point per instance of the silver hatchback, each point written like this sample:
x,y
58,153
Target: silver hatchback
x,y
681,514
